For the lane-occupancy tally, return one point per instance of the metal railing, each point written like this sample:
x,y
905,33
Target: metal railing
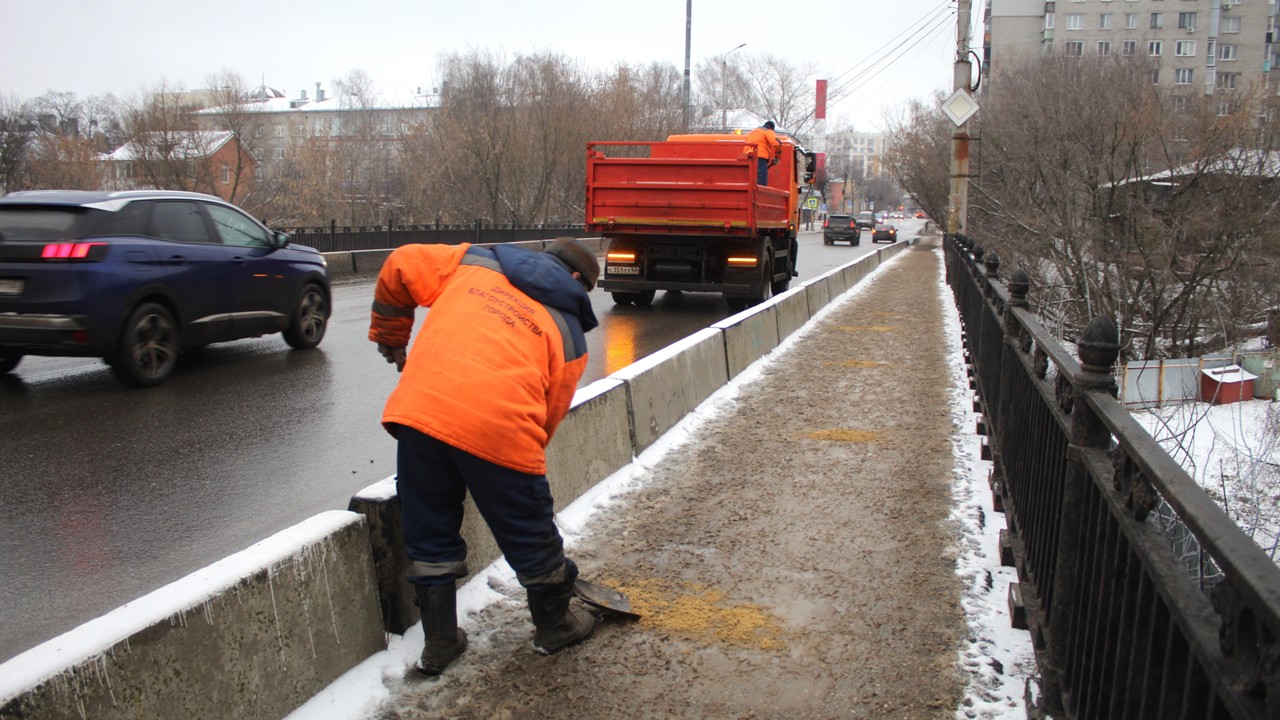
x,y
1142,597
340,238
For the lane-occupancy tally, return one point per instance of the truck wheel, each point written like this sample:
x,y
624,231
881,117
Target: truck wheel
x,y
644,298
9,362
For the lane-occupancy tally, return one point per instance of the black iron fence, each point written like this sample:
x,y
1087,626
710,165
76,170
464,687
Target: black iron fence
x,y
1143,599
339,238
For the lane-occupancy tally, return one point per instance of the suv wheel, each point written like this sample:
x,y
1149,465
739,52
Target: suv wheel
x,y
306,328
148,348
9,362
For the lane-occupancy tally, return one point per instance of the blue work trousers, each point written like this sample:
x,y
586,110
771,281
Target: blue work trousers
x,y
432,480
762,171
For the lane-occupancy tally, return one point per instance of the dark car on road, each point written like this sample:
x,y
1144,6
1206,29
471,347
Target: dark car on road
x,y
867,219
884,232
138,277
842,228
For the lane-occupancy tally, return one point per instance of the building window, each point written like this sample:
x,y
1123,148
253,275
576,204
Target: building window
x,y
1104,47
1155,76
1184,48
1230,25
1187,20
1104,21
279,153
1182,104
226,175
1226,81
1129,48
1183,76
1048,21
1227,52
1154,48
1225,108
278,131
1074,48
1157,21
1075,22
1131,21
388,126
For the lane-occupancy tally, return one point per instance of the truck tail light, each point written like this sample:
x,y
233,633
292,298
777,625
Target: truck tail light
x,y
740,261
618,256
69,250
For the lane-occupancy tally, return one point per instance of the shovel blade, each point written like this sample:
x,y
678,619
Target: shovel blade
x,y
605,598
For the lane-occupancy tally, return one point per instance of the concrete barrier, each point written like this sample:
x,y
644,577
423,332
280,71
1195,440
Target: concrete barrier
x,y
252,636
665,386
791,311
359,265
256,635
748,335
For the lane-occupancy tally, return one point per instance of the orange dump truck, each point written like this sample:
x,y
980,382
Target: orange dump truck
x,y
686,214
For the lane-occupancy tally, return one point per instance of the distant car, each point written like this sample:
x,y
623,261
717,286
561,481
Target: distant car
x,y
138,277
842,228
919,214
895,216
866,219
884,233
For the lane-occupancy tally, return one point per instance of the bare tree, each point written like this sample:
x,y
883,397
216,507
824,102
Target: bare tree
x,y
919,154
1139,203
17,128
233,111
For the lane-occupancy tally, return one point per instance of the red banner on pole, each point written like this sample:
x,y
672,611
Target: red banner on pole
x,y
820,105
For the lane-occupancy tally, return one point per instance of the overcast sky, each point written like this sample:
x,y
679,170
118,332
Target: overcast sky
x,y
877,54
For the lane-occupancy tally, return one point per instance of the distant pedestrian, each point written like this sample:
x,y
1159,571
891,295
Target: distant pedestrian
x,y
763,143
489,377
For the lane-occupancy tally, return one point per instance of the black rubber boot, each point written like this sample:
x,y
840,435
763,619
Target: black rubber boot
x,y
557,625
445,640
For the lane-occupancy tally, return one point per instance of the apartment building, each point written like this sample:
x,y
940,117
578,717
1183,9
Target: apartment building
x,y
856,154
1205,46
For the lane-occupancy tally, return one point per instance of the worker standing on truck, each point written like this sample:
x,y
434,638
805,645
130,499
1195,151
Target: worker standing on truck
x,y
763,143
490,376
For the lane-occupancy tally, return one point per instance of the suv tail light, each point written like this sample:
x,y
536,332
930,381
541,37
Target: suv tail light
x,y
72,251
826,223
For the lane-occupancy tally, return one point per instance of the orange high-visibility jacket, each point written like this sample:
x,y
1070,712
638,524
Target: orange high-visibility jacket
x,y
493,370
765,142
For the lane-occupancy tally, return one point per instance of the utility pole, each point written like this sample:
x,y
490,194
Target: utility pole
x,y
957,208
688,35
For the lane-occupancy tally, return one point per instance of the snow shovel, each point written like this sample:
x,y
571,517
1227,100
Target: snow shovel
x,y
607,599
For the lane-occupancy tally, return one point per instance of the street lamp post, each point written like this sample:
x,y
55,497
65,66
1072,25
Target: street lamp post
x,y
724,68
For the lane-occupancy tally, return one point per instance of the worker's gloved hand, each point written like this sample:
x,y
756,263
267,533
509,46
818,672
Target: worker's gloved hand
x,y
393,355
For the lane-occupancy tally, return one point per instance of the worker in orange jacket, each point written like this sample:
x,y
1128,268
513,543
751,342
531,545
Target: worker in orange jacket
x,y
489,377
764,145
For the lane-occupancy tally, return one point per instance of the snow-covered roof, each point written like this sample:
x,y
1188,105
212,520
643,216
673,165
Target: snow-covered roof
x,y
270,100
1238,162
189,144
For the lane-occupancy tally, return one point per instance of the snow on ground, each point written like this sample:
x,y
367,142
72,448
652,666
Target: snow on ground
x,y
997,660
1233,452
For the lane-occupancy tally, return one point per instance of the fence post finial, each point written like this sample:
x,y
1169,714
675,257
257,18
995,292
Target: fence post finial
x,y
1019,286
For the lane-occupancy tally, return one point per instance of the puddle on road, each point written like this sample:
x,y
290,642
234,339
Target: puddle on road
x,y
702,613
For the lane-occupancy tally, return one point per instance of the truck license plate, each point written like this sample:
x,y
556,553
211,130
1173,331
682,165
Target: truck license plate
x,y
624,270
11,286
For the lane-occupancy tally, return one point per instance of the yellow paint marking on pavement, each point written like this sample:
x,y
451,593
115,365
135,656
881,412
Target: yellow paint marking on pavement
x,y
702,613
846,435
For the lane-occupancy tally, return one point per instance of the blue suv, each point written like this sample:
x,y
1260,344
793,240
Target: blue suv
x,y
138,277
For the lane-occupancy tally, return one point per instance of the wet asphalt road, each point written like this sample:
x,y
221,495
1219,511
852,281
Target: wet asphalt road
x,y
109,493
